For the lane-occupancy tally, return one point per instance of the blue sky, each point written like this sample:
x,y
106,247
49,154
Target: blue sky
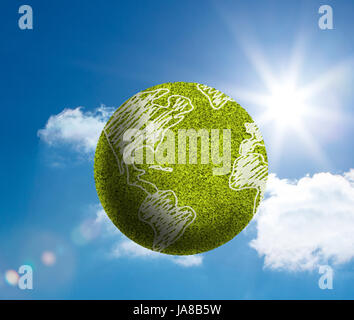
x,y
94,53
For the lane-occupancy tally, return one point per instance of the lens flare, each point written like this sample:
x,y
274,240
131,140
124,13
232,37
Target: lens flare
x,y
48,258
11,277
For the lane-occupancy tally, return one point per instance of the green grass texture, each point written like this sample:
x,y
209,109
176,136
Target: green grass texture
x,y
220,211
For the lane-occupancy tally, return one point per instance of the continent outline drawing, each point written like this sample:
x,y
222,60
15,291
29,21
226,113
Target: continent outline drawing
x,y
250,160
164,222
217,99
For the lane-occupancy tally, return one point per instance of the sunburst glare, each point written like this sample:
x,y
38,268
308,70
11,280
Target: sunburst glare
x,y
289,106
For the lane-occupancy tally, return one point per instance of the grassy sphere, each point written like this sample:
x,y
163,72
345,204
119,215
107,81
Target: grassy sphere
x,y
180,168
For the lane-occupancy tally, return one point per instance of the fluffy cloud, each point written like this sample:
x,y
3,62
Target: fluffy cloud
x,y
303,224
76,128
189,261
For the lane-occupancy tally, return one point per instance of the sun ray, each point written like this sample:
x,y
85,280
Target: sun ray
x,y
291,106
288,106
332,77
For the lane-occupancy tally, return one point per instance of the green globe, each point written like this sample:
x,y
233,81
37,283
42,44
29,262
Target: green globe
x,y
180,168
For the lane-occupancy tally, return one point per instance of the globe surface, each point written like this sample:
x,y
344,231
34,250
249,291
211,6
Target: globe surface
x,y
180,168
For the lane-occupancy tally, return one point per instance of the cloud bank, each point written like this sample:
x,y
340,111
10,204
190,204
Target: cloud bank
x,y
76,128
121,247
303,224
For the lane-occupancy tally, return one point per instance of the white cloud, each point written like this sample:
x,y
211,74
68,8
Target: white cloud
x,y
350,176
128,248
303,224
122,247
103,220
76,128
189,261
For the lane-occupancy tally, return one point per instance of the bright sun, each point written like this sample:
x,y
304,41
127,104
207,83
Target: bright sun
x,y
288,107
285,105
